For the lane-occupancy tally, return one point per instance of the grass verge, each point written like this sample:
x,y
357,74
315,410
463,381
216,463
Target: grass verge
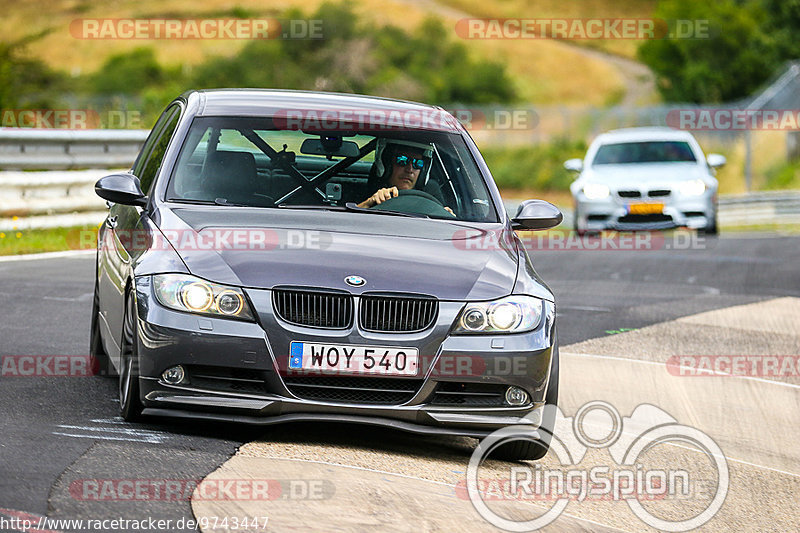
x,y
84,237
34,241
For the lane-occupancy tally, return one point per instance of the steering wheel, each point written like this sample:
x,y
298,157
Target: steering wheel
x,y
415,201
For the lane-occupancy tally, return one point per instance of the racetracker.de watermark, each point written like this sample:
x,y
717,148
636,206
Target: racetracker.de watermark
x,y
466,240
585,28
734,119
48,366
341,361
567,240
194,29
368,119
764,366
171,490
70,119
365,119
207,239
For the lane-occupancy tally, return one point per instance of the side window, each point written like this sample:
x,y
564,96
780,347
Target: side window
x,y
148,143
150,159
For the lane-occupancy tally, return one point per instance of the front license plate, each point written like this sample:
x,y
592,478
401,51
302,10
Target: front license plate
x,y
349,359
645,209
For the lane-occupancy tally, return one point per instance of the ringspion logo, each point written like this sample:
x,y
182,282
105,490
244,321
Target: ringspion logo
x,y
630,478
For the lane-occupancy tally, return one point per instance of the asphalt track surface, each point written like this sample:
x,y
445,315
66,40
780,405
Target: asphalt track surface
x,y
55,431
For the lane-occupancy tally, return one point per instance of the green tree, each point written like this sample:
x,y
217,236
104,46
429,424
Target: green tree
x,y
26,82
735,59
128,73
783,24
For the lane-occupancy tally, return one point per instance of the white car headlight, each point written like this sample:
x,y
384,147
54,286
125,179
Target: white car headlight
x,y
512,314
692,187
595,191
194,295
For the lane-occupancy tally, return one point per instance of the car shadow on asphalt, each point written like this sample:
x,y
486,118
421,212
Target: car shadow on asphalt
x,y
360,437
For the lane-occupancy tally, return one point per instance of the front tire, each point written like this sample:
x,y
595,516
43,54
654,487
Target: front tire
x,y
580,232
130,404
99,360
713,227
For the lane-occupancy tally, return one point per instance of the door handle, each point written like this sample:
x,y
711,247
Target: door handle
x,y
111,222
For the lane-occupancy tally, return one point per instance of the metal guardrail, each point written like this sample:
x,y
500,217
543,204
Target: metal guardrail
x,y
38,149
49,199
769,207
67,198
751,209
56,197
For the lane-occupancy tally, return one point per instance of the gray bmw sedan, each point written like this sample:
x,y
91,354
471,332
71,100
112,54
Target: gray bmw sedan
x,y
278,256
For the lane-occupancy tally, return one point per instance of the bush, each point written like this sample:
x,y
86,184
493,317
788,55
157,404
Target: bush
x,y
357,58
128,73
783,176
538,167
27,83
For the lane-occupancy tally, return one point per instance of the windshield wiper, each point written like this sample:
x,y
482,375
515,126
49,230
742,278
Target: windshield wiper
x,y
224,201
317,207
352,206
191,201
218,201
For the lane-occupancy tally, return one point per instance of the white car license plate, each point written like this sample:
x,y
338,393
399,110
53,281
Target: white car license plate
x,y
349,359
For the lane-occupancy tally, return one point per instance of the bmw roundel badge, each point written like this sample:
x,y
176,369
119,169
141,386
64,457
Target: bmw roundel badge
x,y
355,281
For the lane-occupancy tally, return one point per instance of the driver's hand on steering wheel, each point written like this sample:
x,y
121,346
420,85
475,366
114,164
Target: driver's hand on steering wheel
x,y
379,197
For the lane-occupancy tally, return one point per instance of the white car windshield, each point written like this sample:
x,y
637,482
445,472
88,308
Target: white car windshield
x,y
644,152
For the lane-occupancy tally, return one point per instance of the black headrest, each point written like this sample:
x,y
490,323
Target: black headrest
x,y
230,163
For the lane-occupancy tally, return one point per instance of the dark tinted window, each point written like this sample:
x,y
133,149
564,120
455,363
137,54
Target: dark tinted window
x,y
255,162
151,160
644,152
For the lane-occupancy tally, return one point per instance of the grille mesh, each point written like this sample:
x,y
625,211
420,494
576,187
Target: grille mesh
x,y
393,313
226,379
385,391
314,308
638,219
629,194
472,394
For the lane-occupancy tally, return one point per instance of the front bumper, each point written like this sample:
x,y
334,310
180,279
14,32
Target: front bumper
x,y
167,338
613,213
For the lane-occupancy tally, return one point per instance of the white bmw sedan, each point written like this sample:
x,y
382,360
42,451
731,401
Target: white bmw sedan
x,y
645,179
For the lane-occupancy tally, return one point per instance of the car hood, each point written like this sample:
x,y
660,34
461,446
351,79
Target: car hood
x,y
644,173
264,248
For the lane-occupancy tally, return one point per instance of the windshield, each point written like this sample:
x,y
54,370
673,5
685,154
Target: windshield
x,y
251,162
644,152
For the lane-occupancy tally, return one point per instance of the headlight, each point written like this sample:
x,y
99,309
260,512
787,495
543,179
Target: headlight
x,y
194,295
692,187
595,191
513,314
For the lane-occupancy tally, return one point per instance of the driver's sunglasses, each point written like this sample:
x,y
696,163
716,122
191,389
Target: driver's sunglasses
x,y
403,160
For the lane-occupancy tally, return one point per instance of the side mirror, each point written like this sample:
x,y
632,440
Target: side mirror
x,y
574,165
716,160
536,214
122,188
